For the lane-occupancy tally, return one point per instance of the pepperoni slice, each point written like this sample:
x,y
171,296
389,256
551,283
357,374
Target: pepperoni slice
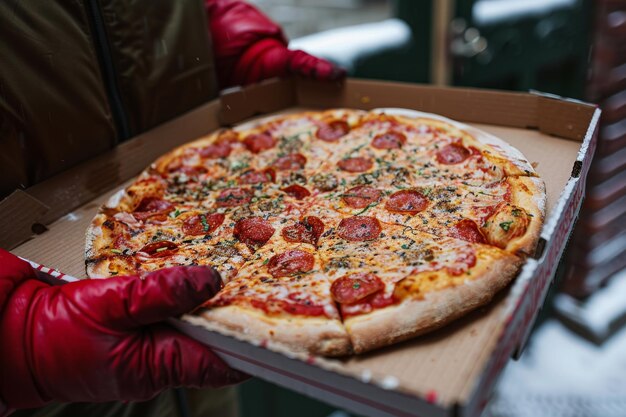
x,y
201,224
454,153
350,289
406,201
367,304
290,162
308,230
220,149
358,164
232,197
259,142
297,191
332,131
359,228
257,177
159,249
467,230
361,196
379,300
253,231
290,263
150,206
389,140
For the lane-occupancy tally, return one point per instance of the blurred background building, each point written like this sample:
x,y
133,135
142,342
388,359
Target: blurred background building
x,y
575,363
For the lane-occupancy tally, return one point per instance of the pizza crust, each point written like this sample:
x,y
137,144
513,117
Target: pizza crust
x,y
532,199
413,317
95,269
320,336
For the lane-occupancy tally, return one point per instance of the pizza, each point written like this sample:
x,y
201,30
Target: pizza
x,y
335,232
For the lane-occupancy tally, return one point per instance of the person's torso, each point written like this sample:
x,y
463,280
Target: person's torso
x,y
78,77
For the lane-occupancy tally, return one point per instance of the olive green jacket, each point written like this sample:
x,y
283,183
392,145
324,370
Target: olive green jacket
x,y
77,77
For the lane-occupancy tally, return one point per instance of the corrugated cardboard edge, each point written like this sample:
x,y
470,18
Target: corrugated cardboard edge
x,y
250,355
19,211
536,276
554,121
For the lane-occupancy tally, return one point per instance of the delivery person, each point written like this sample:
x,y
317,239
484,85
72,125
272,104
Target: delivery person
x,y
77,78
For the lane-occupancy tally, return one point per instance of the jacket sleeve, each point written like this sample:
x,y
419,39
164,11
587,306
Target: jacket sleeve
x,y
235,27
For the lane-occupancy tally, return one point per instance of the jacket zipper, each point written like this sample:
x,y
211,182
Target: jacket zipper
x,y
103,50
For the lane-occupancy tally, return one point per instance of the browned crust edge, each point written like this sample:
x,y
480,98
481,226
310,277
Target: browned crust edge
x,y
94,268
417,316
97,269
319,336
534,203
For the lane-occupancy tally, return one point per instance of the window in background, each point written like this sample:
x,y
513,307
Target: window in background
x,y
379,39
304,17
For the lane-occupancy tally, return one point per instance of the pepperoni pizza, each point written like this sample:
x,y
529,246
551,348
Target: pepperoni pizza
x,y
335,232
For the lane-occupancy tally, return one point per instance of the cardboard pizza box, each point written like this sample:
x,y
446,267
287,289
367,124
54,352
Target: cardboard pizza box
x,y
449,372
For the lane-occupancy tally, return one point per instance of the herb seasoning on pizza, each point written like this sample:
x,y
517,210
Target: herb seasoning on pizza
x,y
335,232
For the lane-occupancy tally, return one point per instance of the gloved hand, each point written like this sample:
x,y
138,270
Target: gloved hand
x,y
101,340
249,47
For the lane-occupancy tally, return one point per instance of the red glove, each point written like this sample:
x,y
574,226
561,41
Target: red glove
x,y
101,340
249,47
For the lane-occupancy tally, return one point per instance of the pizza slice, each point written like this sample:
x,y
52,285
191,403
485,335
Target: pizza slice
x,y
460,280
401,282
281,297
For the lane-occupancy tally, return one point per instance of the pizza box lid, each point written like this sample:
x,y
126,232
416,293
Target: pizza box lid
x,y
449,372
